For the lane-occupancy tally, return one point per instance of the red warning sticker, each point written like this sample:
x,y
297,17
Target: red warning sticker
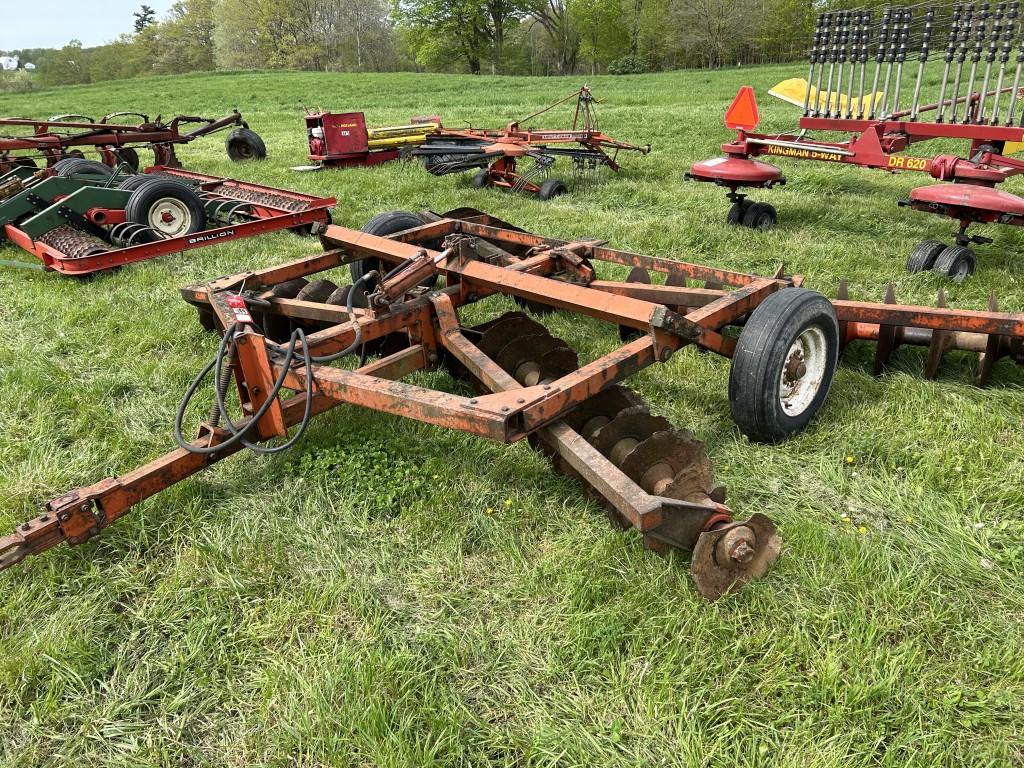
x,y
237,304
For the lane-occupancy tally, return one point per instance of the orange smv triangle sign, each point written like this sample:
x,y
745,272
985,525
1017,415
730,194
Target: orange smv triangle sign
x,y
742,113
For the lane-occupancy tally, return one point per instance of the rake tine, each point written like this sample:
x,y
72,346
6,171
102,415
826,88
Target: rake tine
x,y
886,336
922,59
954,30
961,56
990,57
1009,30
883,35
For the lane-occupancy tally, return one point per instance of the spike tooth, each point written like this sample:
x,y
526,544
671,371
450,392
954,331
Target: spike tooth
x,y
674,280
638,275
886,336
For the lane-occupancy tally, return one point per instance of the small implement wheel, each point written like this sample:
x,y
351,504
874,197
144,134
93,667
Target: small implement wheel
x,y
956,262
243,144
924,254
24,162
760,216
79,166
482,178
382,225
552,188
167,208
783,365
132,183
736,211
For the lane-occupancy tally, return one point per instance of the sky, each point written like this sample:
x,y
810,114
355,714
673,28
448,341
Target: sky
x,y
53,23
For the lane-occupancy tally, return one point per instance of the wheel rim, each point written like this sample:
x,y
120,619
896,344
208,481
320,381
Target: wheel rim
x,y
961,270
242,149
803,371
170,217
763,222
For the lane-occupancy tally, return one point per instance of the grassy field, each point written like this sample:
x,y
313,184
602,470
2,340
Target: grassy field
x,y
393,594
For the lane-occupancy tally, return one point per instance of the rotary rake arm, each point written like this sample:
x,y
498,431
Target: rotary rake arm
x,y
284,327
495,153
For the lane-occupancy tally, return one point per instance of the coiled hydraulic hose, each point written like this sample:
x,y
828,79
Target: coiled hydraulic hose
x,y
225,351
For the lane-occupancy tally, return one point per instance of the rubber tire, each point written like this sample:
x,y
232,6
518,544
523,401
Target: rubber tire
x,y
482,178
736,211
761,216
131,183
382,225
552,188
761,352
956,262
243,144
145,195
23,162
924,255
80,166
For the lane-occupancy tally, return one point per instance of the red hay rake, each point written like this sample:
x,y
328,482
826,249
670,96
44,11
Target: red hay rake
x,y
883,126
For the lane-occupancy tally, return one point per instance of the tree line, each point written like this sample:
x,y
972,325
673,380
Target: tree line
x,y
531,37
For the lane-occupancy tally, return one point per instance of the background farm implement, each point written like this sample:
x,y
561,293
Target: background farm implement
x,y
342,139
25,142
282,329
881,106
496,154
82,217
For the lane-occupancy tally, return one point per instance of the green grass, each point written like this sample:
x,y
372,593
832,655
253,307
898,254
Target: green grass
x,y
397,595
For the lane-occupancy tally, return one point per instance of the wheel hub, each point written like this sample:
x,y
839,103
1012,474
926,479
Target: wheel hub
x,y
803,371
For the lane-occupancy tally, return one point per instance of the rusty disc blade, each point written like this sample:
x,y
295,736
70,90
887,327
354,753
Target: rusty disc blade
x,y
598,410
278,327
720,561
526,349
629,427
671,463
505,329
